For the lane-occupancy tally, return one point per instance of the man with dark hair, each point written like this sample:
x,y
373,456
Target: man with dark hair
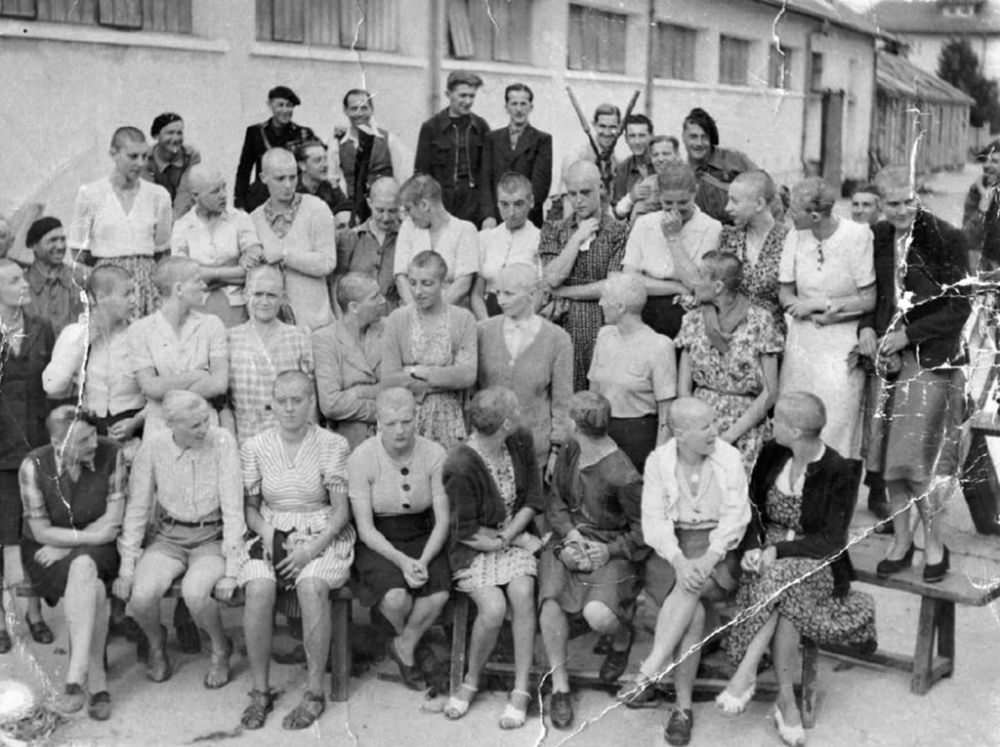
x,y
55,290
866,205
279,131
520,148
635,168
451,148
314,172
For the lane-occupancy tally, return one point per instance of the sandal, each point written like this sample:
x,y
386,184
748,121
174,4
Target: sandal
x,y
40,631
513,717
735,704
218,668
306,712
99,707
457,707
255,714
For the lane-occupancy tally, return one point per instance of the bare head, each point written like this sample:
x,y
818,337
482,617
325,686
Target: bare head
x,y
359,296
724,271
73,433
494,410
208,186
293,399
798,416
584,189
900,202
383,199
280,173
264,291
623,295
396,410
188,417
590,414
693,423
517,286
750,195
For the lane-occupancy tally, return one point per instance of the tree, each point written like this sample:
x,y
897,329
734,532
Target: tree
x,y
959,65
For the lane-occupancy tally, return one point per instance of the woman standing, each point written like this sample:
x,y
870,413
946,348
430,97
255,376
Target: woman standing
x,y
730,357
827,279
123,219
429,347
494,493
169,160
25,348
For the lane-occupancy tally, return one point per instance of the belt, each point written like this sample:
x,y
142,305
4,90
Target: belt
x,y
168,519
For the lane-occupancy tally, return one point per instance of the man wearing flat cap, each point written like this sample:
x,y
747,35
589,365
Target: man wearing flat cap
x,y
277,132
55,291
451,149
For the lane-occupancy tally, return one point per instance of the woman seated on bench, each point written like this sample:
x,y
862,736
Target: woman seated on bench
x,y
295,476
74,496
401,512
494,491
804,493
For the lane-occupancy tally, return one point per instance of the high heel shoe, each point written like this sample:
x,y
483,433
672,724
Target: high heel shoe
x,y
934,572
793,736
887,567
735,704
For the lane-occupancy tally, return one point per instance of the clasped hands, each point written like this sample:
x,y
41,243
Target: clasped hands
x,y
583,555
758,560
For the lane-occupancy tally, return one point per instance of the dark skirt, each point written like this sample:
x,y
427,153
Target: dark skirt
x,y
635,436
615,585
50,581
663,315
10,508
374,574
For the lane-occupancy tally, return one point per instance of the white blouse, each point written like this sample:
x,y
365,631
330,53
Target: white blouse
x,y
101,226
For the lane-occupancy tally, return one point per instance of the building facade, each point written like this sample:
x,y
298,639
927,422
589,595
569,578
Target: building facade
x,y
790,83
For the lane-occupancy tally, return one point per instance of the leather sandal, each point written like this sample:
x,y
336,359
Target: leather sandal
x,y
99,707
218,668
255,714
457,707
514,716
309,709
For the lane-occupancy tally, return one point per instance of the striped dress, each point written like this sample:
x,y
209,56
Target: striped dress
x,y
298,496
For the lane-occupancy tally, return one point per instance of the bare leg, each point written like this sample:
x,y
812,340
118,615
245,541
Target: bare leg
x,y
555,637
97,675
687,663
928,506
202,575
14,573
491,607
671,626
746,672
785,651
80,609
425,611
314,598
154,574
600,618
396,606
521,595
258,626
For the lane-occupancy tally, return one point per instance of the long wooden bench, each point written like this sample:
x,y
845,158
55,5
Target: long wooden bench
x,y
936,619
340,644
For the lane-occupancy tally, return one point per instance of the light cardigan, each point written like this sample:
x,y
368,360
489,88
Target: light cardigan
x,y
396,349
541,377
726,509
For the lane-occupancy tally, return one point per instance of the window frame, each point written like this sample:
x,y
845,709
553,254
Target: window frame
x,y
741,66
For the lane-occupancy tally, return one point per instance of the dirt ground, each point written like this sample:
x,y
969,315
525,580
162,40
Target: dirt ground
x,y
858,705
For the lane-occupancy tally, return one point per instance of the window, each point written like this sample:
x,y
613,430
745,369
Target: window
x,y
596,40
675,51
734,60
779,67
171,16
498,30
352,24
816,72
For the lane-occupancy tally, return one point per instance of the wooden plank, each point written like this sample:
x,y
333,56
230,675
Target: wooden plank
x,y
946,630
340,647
923,654
19,8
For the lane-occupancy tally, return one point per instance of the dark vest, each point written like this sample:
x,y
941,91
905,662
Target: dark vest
x,y
380,163
73,505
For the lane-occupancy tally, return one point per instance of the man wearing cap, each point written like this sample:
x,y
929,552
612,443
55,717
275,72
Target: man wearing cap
x,y
170,160
277,132
55,291
451,148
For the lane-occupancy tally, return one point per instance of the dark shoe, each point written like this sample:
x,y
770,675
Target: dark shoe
x,y
99,707
412,677
158,667
40,631
72,698
188,635
603,645
639,694
886,567
5,642
309,709
561,710
936,571
616,662
255,714
678,729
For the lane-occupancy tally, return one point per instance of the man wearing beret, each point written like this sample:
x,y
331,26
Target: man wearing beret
x,y
55,291
451,148
277,132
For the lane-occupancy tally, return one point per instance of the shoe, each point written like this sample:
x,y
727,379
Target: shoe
x,y
6,644
71,699
793,736
735,704
678,731
616,662
413,678
514,716
99,707
309,709
639,694
936,571
218,667
40,631
561,710
255,714
458,707
158,667
886,567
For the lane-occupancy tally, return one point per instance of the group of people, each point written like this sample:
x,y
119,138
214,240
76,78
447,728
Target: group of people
x,y
416,385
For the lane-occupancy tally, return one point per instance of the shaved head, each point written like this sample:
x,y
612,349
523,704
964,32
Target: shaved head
x,y
384,188
687,412
584,171
276,159
394,399
293,379
803,411
202,177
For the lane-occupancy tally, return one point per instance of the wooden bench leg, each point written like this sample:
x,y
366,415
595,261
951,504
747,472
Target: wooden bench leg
x,y
460,625
810,662
340,649
923,657
946,630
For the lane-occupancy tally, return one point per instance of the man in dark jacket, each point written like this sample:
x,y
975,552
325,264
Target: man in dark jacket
x,y
277,132
451,149
520,148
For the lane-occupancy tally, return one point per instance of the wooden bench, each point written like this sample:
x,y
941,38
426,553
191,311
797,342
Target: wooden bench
x,y
340,644
936,619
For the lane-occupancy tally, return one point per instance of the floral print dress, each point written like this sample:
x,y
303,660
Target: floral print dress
x,y
439,414
760,279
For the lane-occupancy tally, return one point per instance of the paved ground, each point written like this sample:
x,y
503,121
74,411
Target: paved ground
x,y
858,705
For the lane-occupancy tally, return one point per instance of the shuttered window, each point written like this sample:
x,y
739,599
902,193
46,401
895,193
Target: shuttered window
x,y
779,67
596,40
675,51
170,16
352,24
497,30
734,60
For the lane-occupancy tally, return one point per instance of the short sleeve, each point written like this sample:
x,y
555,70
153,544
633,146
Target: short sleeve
x,y
597,358
360,477
216,331
436,473
334,467
769,339
786,269
863,258
246,233
467,349
139,353
633,247
31,497
664,369
467,257
250,466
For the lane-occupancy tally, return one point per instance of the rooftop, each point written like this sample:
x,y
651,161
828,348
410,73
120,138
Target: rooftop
x,y
930,17
837,13
898,76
